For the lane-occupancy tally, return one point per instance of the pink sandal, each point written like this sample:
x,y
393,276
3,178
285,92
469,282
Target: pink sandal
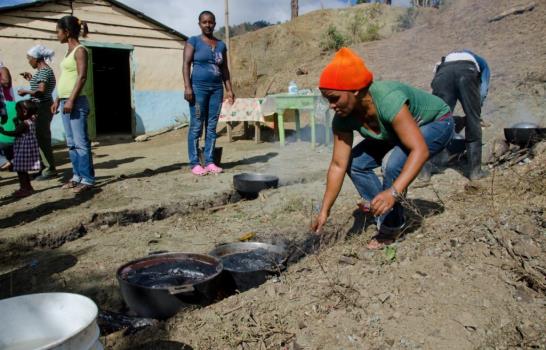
x,y
213,168
198,170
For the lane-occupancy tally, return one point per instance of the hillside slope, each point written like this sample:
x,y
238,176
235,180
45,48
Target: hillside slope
x,y
267,59
514,47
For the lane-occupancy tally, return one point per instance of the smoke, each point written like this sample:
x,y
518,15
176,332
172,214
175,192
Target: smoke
x,y
517,112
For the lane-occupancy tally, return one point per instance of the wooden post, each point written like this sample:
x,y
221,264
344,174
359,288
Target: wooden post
x,y
229,127
226,26
294,8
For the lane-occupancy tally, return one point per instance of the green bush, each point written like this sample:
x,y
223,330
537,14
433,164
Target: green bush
x,y
407,20
333,39
371,33
364,25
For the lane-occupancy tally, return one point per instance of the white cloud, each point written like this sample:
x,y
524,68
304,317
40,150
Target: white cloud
x,y
182,14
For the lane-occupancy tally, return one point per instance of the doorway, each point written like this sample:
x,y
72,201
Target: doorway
x,y
112,91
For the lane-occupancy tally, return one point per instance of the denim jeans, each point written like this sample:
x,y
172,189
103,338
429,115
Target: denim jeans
x,y
370,154
77,140
204,112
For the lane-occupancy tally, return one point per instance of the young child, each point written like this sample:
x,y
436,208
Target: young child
x,y
25,147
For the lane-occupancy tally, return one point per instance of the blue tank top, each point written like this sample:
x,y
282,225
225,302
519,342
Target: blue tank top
x,y
207,62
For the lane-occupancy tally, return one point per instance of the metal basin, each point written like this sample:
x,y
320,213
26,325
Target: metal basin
x,y
158,286
250,264
250,184
457,144
524,136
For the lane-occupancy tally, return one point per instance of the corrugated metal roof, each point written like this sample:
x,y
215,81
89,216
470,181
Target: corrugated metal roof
x,y
7,5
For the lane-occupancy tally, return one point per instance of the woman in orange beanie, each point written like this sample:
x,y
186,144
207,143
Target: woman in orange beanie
x,y
402,127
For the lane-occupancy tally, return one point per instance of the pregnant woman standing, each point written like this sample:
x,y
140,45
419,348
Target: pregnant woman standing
x,y
204,91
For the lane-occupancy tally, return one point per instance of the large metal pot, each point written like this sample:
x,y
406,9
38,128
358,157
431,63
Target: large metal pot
x,y
245,278
250,184
457,144
188,279
524,134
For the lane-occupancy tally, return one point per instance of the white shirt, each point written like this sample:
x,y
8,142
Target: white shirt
x,y
462,56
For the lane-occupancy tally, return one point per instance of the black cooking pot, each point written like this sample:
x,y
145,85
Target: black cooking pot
x,y
457,144
158,286
524,134
250,184
244,277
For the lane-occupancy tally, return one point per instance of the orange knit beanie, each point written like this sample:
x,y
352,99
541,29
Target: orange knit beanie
x,y
346,72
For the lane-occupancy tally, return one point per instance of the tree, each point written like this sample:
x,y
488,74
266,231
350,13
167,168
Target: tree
x,y
295,8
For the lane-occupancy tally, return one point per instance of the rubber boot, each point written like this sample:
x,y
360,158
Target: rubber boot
x,y
425,174
474,156
434,165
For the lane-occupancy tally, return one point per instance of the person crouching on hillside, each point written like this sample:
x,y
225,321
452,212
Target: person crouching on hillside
x,y
402,127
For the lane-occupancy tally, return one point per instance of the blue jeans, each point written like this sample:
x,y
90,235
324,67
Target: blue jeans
x,y
204,112
371,153
77,140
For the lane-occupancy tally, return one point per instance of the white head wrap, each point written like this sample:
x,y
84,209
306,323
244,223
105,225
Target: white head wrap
x,y
41,52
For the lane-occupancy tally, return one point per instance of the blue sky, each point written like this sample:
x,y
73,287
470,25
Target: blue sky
x,y
182,14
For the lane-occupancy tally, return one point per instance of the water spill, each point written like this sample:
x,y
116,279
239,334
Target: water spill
x,y
254,260
171,273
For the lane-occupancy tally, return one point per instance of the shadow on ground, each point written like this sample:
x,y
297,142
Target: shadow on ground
x,y
114,163
252,160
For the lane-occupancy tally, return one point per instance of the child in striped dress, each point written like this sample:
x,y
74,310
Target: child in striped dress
x,y
25,147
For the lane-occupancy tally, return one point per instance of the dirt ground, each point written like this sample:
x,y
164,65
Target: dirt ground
x,y
470,272
469,275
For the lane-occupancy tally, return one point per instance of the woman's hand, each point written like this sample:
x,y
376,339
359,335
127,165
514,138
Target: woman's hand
x,y
188,95
23,92
319,222
54,107
383,203
26,76
230,97
68,105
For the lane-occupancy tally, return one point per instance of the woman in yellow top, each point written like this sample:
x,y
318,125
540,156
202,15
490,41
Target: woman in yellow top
x,y
73,104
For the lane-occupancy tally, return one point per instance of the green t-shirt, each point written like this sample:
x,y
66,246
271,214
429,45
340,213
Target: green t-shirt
x,y
389,97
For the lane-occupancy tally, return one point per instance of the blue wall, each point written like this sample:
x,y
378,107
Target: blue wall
x,y
155,110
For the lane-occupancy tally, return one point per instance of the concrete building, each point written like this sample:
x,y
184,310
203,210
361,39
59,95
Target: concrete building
x,y
136,83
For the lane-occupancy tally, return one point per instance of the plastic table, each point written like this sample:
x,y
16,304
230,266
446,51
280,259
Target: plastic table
x,y
299,103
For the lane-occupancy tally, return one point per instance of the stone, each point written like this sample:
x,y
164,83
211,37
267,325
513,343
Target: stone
x,y
142,138
346,260
527,229
526,248
384,297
